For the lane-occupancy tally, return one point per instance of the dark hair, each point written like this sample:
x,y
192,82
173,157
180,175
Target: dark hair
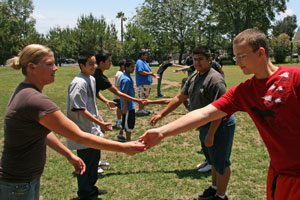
x,y
102,55
122,62
84,56
129,63
203,51
254,38
143,52
169,57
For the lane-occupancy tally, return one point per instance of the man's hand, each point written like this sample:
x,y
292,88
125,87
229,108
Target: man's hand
x,y
151,138
111,105
132,148
106,126
143,101
78,164
209,140
155,119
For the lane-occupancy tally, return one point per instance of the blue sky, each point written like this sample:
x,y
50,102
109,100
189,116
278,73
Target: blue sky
x,y
63,13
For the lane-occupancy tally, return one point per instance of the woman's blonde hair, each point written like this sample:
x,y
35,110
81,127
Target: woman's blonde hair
x,y
32,53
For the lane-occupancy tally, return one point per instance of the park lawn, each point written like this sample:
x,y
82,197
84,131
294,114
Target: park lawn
x,y
166,171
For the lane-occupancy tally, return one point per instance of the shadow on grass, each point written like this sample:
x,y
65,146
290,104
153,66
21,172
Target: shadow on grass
x,y
186,173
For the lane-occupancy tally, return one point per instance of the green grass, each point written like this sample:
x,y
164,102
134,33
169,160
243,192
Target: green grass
x,y
164,172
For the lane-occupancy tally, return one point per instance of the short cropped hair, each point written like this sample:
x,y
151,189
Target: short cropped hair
x,y
102,55
84,56
254,38
122,62
203,50
129,62
142,52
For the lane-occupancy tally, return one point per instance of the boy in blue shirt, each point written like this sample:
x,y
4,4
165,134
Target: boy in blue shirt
x,y
127,106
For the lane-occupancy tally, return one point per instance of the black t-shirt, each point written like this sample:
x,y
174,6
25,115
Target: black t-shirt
x,y
102,82
189,61
216,67
219,60
164,66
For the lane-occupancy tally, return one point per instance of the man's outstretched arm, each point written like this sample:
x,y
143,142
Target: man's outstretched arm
x,y
187,122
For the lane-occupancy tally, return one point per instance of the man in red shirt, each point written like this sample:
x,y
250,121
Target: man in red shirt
x,y
271,98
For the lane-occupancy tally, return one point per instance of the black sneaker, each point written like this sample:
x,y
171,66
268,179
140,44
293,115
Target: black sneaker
x,y
121,138
208,194
219,198
101,192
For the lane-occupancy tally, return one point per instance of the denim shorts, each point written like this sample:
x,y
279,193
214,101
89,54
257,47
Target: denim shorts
x,y
20,191
219,154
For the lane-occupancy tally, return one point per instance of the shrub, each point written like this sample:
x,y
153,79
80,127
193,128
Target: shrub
x,y
281,47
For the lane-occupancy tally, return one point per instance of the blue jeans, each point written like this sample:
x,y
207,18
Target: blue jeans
x,y
219,154
20,191
86,181
159,84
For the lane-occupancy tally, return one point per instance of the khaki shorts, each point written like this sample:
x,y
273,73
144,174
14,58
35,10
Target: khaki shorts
x,y
144,91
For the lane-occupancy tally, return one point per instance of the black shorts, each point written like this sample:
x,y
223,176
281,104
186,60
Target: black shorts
x,y
118,103
128,121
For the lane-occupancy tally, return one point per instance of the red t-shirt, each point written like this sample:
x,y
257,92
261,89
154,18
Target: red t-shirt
x,y
274,106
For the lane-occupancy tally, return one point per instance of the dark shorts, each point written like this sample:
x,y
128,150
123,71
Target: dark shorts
x,y
219,154
118,103
128,121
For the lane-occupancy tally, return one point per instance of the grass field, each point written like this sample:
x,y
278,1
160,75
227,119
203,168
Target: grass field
x,y
164,172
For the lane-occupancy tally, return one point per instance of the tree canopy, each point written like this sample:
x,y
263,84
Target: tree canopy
x,y
160,26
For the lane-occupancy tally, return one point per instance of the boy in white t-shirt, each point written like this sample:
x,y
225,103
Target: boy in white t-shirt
x,y
117,98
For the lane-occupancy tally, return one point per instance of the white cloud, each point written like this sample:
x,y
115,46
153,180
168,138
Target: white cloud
x,y
287,12
38,16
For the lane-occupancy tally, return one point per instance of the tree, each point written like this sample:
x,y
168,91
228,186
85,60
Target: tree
x,y
17,27
280,46
94,34
121,16
170,20
236,16
63,43
288,25
135,40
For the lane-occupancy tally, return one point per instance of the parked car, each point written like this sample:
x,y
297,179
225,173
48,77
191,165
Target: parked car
x,y
69,61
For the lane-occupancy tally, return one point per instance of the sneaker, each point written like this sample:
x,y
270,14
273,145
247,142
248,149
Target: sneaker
x,y
121,138
103,163
118,124
205,167
160,96
208,194
100,192
216,197
142,112
147,111
100,170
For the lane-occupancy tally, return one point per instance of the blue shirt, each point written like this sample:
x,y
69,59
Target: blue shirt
x,y
142,65
127,85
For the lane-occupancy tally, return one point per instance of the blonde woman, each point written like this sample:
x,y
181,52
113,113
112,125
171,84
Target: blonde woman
x,y
30,119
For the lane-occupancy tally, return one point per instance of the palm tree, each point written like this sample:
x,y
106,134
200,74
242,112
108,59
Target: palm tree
x,y
121,16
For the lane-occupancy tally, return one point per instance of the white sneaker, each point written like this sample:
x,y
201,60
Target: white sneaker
x,y
204,167
118,124
100,170
103,163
